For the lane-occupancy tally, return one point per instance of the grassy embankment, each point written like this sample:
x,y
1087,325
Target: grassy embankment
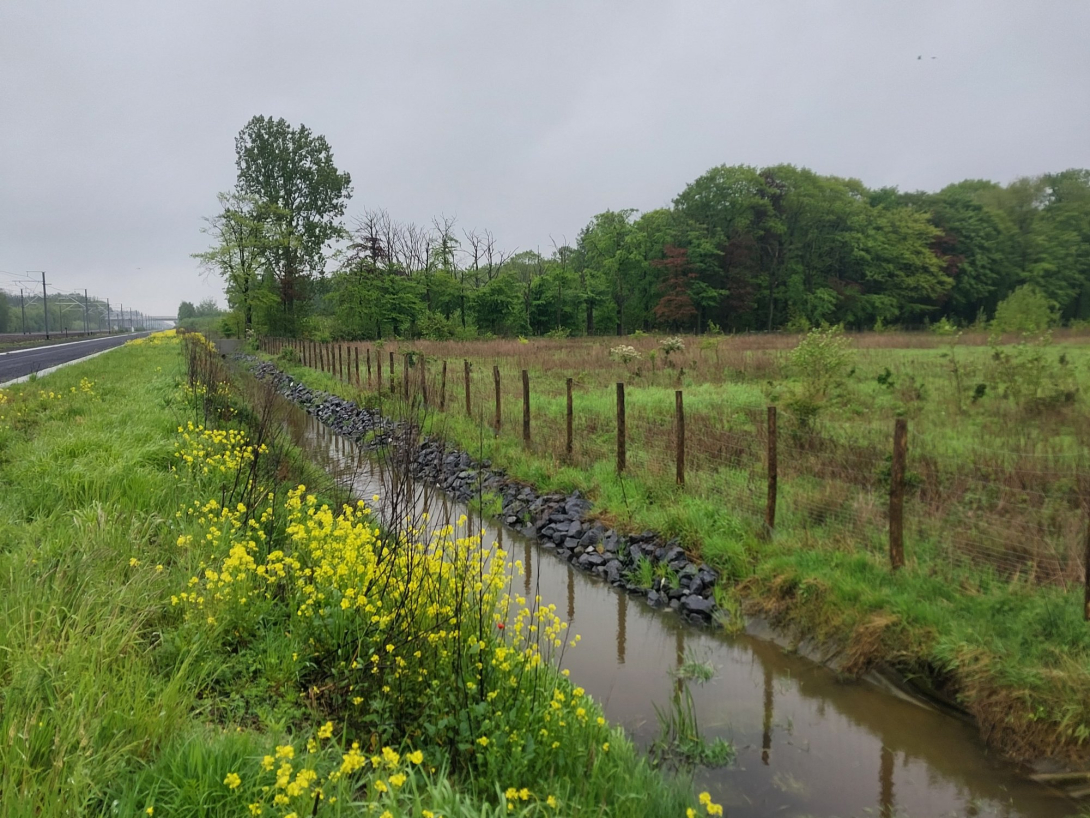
x,y
990,603
165,650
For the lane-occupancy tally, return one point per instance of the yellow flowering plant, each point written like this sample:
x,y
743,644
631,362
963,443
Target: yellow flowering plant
x,y
401,634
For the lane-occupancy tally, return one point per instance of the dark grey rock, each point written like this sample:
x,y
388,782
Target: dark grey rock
x,y
693,604
592,537
610,542
591,559
675,554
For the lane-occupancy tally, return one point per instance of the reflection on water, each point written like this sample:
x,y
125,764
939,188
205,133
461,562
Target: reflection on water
x,y
808,744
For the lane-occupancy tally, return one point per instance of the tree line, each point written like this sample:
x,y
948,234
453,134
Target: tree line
x,y
67,313
739,249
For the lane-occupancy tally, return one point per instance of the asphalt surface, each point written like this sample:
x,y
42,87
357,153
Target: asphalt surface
x,y
21,362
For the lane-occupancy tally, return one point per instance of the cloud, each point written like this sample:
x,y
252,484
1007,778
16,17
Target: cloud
x,y
118,119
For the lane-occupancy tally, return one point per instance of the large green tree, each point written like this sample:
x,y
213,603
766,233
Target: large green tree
x,y
240,254
299,198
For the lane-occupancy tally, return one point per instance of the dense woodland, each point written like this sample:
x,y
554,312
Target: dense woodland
x,y
740,249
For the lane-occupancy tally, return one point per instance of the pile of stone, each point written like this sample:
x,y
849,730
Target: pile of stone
x,y
563,524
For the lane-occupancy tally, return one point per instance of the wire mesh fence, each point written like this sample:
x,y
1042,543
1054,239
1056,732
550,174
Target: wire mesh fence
x,y
1019,511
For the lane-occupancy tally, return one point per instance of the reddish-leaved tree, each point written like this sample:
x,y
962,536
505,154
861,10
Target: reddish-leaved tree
x,y
675,307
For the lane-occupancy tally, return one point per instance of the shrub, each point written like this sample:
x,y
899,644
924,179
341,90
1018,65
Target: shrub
x,y
1030,377
435,327
674,344
625,354
820,365
944,326
1026,309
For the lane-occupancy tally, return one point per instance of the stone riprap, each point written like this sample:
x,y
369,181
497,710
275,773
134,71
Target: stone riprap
x,y
560,523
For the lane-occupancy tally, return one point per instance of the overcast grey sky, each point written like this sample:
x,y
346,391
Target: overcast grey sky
x,y
117,119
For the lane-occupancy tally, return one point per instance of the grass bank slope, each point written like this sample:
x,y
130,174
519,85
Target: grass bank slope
x,y
148,667
988,609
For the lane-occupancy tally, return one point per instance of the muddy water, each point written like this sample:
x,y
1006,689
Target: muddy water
x,y
808,743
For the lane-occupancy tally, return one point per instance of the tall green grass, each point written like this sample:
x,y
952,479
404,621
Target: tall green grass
x,y
108,705
1014,652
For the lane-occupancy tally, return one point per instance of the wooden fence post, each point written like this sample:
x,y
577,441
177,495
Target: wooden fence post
x,y
897,495
1086,568
679,407
621,453
356,357
469,408
405,375
568,444
369,367
773,473
423,379
321,357
496,378
378,360
525,406
393,385
443,389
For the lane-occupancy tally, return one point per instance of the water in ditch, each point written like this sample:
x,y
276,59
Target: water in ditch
x,y
808,743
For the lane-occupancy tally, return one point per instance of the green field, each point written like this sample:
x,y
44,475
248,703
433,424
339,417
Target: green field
x,y
169,642
989,608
